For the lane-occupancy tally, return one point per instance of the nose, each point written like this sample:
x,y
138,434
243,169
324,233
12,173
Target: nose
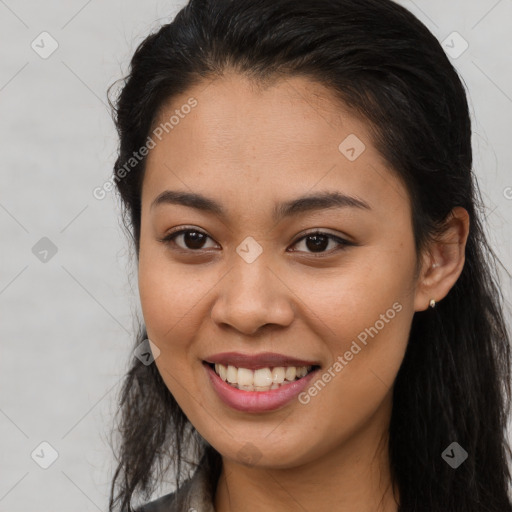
x,y
252,295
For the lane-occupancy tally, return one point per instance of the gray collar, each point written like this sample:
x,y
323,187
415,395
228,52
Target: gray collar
x,y
193,496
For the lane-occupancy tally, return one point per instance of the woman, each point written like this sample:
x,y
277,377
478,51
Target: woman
x,y
323,329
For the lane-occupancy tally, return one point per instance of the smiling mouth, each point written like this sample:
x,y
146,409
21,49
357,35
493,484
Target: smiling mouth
x,y
261,379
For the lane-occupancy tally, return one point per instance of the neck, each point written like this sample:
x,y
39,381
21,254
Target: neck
x,y
352,477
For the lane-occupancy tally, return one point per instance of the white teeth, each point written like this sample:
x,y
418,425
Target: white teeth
x,y
221,371
262,379
291,373
232,375
245,377
278,374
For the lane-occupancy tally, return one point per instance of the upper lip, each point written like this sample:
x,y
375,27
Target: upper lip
x,y
255,361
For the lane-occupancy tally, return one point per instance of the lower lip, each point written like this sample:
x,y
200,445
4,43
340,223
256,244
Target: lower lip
x,y
257,401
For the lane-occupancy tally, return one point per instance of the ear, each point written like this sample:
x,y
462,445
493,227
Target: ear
x,y
443,261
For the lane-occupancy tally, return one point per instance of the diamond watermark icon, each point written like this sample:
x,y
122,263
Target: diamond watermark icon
x,y
249,250
454,455
249,454
352,147
455,45
44,250
44,455
146,352
44,45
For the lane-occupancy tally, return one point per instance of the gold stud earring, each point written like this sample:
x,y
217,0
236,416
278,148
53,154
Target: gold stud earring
x,y
432,303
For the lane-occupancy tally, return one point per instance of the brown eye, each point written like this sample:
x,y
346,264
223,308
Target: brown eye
x,y
318,242
194,239
191,239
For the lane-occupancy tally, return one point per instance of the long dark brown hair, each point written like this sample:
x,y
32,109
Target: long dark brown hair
x,y
381,61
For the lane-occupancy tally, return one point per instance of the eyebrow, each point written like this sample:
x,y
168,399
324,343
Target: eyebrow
x,y
319,201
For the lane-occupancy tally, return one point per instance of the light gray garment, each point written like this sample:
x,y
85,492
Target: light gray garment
x,y
193,496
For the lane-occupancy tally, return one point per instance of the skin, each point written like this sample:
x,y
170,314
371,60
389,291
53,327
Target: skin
x,y
250,147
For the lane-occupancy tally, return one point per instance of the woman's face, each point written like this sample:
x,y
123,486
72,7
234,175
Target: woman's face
x,y
246,286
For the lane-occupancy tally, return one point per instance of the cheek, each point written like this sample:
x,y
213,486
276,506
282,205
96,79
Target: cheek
x,y
163,290
174,300
351,300
170,302
369,321
368,310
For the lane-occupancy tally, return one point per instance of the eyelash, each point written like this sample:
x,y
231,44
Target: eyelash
x,y
170,239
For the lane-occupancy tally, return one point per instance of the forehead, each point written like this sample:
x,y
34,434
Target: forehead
x,y
245,143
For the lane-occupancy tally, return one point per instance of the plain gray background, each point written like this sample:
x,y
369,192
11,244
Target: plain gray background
x,y
67,322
